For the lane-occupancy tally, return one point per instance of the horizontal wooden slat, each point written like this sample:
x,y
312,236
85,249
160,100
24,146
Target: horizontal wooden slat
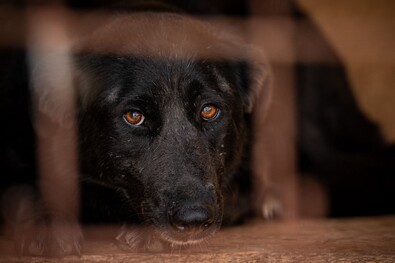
x,y
341,240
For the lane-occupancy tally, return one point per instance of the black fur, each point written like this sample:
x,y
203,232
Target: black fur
x,y
174,145
176,160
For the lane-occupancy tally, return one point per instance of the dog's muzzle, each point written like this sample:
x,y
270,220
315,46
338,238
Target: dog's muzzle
x,y
189,224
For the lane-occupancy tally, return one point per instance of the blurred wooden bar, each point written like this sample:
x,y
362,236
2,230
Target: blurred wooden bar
x,y
335,240
272,30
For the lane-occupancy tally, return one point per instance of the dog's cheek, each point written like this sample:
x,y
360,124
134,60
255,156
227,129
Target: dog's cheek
x,y
235,139
227,152
129,178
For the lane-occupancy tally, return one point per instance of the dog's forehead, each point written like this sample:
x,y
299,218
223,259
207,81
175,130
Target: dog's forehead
x,y
174,78
166,39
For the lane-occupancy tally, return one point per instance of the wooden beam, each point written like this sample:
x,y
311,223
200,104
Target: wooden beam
x,y
334,240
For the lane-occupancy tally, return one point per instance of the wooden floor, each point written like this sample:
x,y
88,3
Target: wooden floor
x,y
345,240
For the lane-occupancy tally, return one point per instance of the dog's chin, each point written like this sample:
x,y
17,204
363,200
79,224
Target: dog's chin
x,y
159,238
179,238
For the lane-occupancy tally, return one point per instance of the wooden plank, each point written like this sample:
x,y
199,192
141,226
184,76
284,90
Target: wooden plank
x,y
341,240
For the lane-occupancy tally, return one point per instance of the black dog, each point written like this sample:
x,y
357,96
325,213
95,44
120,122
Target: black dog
x,y
164,106
167,115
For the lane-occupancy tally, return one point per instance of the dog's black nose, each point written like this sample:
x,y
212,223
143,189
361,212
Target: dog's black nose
x,y
192,219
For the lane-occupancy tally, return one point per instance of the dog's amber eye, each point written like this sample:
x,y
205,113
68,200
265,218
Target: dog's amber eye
x,y
135,118
209,112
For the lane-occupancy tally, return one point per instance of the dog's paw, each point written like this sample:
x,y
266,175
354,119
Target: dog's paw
x,y
139,239
55,239
270,207
34,232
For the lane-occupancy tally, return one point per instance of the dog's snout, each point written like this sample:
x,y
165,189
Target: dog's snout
x,y
192,219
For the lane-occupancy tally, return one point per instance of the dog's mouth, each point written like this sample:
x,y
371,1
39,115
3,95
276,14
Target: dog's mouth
x,y
155,237
169,225
187,234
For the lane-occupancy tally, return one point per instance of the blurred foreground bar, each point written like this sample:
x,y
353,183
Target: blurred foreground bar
x,y
336,240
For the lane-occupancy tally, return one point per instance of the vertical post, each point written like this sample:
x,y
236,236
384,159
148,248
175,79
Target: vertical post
x,y
273,29
54,111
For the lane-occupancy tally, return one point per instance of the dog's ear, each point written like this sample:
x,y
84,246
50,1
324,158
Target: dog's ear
x,y
252,71
255,81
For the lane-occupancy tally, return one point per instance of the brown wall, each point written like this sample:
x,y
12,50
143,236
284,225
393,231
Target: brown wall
x,y
362,32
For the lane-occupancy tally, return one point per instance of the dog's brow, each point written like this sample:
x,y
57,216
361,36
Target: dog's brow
x,y
113,95
223,84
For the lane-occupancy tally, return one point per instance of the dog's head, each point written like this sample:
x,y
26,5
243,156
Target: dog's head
x,y
163,117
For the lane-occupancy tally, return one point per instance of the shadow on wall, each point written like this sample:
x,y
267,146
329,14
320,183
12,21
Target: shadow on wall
x,y
345,159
